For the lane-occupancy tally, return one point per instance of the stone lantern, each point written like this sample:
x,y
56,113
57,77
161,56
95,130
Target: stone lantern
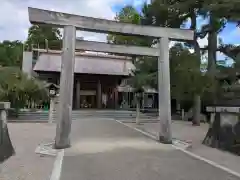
x,y
53,91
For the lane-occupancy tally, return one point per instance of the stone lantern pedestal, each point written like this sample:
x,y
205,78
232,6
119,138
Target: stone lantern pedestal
x,y
6,148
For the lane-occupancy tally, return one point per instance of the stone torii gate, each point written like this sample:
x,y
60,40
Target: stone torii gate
x,y
71,23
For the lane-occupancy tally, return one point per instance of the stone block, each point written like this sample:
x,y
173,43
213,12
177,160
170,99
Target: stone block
x,y
5,105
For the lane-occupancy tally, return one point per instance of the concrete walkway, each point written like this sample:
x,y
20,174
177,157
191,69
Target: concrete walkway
x,y
108,150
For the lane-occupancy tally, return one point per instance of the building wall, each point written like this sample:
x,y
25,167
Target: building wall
x,y
27,63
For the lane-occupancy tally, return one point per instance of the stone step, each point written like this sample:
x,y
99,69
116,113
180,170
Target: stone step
x,y
116,114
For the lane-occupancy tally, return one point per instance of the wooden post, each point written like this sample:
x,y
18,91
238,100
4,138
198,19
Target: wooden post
x,y
99,95
143,100
165,134
78,95
138,111
116,97
51,110
66,89
182,114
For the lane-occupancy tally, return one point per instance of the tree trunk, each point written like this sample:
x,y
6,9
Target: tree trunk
x,y
212,47
138,113
6,148
212,54
212,136
196,110
197,98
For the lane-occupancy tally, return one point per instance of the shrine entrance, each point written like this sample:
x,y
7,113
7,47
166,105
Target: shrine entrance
x,y
88,99
71,23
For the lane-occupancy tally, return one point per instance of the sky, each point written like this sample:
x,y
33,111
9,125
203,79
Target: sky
x,y
14,21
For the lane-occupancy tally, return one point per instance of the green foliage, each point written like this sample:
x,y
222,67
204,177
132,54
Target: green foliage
x,y
228,85
129,15
163,13
228,9
15,86
18,88
145,74
39,34
11,53
176,12
141,76
186,78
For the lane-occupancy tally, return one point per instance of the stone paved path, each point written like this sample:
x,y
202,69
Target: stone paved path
x,y
184,131
107,150
26,164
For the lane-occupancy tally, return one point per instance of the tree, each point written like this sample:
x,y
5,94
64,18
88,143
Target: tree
x,y
228,9
186,79
17,88
139,79
129,15
219,12
230,50
11,53
43,36
159,14
142,77
174,13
